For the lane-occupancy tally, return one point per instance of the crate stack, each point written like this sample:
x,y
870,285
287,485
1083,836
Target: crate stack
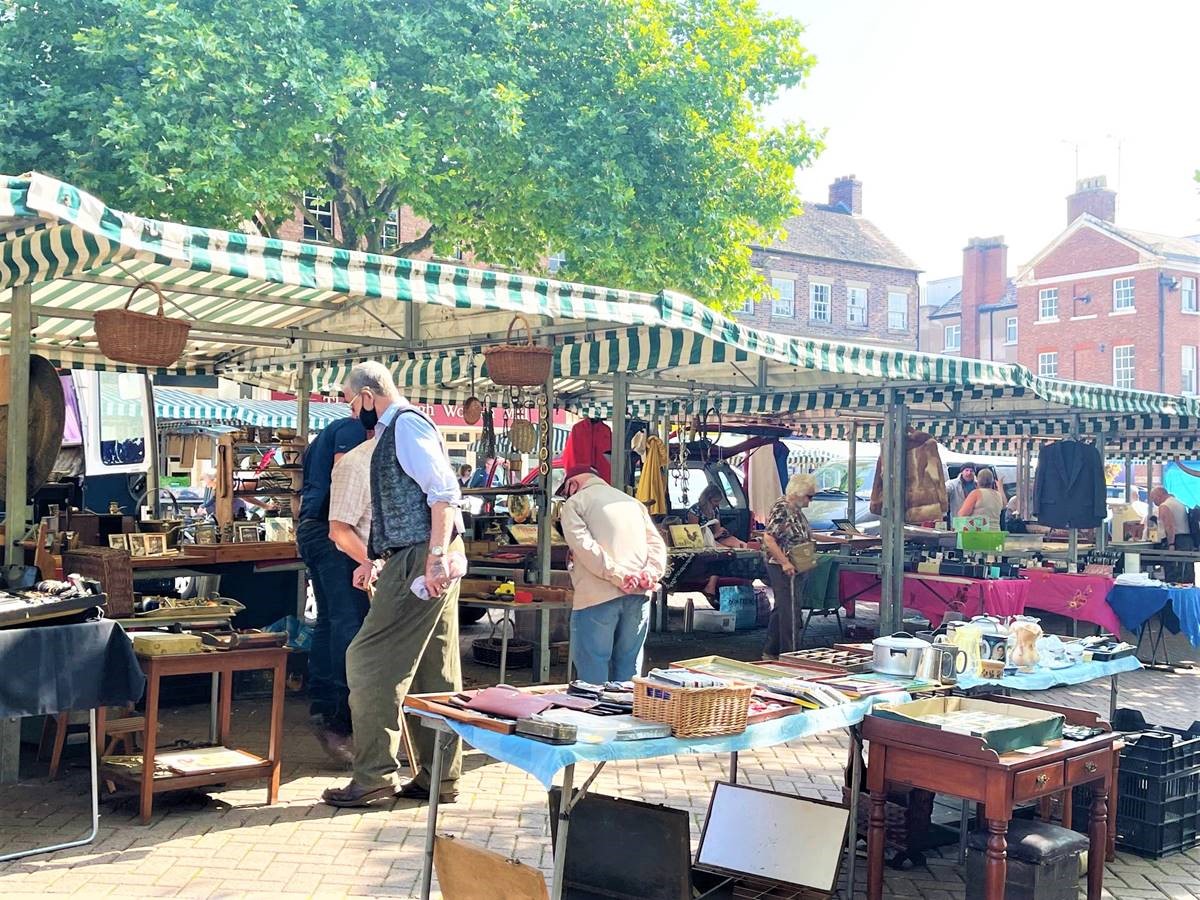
x,y
1158,792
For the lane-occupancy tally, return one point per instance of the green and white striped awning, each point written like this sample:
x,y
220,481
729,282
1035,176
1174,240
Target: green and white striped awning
x,y
243,291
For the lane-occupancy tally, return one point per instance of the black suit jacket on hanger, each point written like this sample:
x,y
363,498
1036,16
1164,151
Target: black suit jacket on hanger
x,y
1068,489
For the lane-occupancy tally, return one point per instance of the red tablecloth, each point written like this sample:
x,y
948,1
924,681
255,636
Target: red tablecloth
x,y
932,597
1080,597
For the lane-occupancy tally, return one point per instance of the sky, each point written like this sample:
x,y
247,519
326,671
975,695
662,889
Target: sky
x,y
962,118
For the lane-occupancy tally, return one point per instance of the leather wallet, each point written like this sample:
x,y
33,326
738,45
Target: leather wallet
x,y
508,703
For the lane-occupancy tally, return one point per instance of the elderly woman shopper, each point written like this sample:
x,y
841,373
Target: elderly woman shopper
x,y
787,529
987,500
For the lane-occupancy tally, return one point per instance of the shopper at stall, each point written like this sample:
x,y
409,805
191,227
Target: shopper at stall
x,y
340,605
986,500
464,475
787,530
618,557
409,639
958,489
1174,530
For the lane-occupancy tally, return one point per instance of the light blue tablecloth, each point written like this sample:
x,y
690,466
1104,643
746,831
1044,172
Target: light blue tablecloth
x,y
543,761
1045,679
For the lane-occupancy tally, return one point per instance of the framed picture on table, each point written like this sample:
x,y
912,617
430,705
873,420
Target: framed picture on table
x,y
137,544
155,544
118,542
246,534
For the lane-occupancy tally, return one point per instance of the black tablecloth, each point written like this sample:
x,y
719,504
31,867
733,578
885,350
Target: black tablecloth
x,y
54,668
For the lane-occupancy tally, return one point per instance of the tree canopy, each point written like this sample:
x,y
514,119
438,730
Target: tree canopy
x,y
626,134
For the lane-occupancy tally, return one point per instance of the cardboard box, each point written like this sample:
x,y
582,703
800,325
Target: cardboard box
x,y
1004,727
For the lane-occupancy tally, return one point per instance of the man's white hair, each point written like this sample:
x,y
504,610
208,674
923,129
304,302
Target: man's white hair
x,y
374,377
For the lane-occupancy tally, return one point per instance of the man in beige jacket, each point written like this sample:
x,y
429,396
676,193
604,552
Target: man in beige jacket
x,y
618,557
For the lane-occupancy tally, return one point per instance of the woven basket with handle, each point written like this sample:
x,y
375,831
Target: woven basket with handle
x,y
518,365
693,712
138,338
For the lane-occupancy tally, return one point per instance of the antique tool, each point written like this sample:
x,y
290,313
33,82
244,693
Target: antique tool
x,y
473,408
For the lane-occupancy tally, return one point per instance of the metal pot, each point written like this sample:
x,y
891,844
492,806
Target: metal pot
x,y
942,663
898,654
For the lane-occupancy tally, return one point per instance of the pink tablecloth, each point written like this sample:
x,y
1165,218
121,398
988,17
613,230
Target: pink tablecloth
x,y
932,597
1080,597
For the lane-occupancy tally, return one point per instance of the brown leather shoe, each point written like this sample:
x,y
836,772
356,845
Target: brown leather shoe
x,y
410,790
354,795
338,747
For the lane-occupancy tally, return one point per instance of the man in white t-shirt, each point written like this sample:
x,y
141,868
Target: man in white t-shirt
x,y
1173,525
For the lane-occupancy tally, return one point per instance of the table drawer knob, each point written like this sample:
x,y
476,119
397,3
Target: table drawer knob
x,y
1042,779
1089,767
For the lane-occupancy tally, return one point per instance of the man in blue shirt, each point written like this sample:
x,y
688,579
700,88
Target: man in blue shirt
x,y
409,640
341,607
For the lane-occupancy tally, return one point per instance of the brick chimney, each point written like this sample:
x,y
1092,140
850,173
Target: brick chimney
x,y
985,280
846,192
1092,196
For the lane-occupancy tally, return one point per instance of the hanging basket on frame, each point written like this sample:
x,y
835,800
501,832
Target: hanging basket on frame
x,y
145,340
519,365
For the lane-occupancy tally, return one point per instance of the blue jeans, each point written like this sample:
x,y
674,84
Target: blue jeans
x,y
341,608
607,640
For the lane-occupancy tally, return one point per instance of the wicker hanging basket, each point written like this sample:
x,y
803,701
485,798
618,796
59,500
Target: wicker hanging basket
x,y
138,338
518,365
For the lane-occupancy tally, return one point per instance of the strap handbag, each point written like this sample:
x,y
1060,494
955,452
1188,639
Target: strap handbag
x,y
804,557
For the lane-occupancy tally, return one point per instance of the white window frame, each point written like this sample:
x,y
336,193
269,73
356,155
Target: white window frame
x,y
555,261
1045,296
747,307
1188,363
389,237
322,211
1011,328
815,288
956,330
1189,300
893,313
851,306
783,307
1123,294
1048,364
1124,366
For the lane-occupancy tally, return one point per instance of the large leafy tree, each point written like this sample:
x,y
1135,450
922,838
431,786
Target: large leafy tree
x,y
626,133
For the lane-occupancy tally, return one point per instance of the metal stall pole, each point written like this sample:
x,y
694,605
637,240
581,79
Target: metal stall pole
x,y
15,499
17,448
1128,479
545,483
891,602
1102,531
852,474
1073,533
303,388
620,438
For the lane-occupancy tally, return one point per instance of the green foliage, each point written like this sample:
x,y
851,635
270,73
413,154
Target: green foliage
x,y
627,133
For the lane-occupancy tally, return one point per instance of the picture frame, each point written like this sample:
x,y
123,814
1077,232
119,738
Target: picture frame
x,y
137,547
206,534
118,542
155,544
279,528
246,534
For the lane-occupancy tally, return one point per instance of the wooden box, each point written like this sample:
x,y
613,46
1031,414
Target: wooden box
x,y
1004,727
110,567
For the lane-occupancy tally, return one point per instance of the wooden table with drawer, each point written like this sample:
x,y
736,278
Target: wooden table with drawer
x,y
962,766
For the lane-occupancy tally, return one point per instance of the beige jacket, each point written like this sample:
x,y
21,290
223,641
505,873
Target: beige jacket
x,y
611,536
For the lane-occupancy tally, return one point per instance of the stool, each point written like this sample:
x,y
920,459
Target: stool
x,y
111,734
1043,862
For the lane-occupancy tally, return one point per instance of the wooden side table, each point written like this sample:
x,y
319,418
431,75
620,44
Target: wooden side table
x,y
962,766
222,663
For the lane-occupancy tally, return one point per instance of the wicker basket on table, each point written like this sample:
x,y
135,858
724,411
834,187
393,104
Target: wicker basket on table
x,y
519,365
138,338
693,712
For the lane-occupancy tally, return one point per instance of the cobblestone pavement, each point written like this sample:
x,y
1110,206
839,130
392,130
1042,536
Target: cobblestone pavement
x,y
229,844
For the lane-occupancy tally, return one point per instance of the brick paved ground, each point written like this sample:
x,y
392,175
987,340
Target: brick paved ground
x,y
228,844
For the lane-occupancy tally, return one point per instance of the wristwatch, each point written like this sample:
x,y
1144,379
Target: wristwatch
x,y
437,552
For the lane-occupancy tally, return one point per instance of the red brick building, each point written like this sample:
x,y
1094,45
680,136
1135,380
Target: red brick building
x,y
980,320
835,275
1109,304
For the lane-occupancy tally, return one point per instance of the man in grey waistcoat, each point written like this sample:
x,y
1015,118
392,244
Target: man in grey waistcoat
x,y
408,641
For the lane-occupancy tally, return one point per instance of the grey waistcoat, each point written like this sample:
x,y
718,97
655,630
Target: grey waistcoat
x,y
400,515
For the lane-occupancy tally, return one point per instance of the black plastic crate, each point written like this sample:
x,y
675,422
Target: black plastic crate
x,y
1154,816
1155,749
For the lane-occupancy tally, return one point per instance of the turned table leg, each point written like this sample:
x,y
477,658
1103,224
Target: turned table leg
x,y
876,843
1098,836
997,859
